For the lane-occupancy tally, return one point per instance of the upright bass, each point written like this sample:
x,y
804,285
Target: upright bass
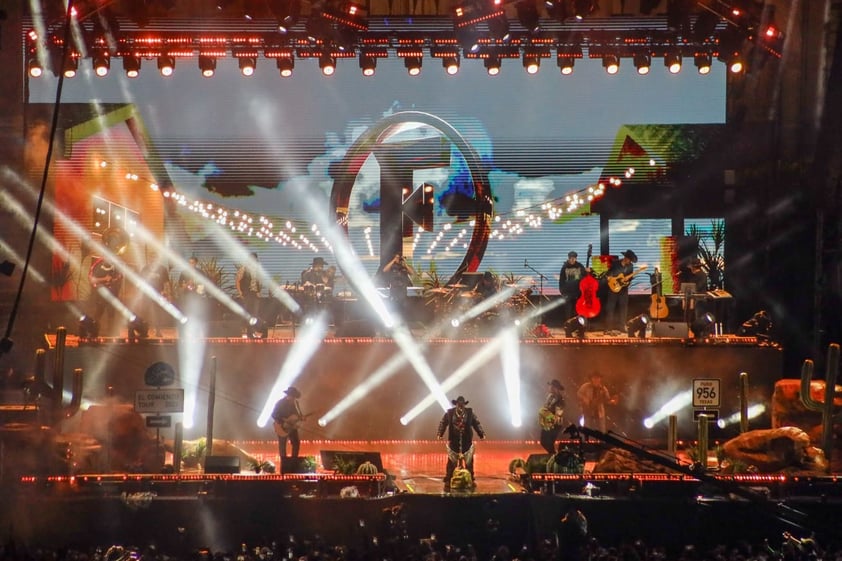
x,y
588,304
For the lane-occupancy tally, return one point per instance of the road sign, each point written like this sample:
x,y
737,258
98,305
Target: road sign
x,y
159,421
713,414
159,374
706,392
159,401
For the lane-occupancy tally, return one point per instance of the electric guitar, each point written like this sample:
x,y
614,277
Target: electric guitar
x,y
658,308
289,424
617,283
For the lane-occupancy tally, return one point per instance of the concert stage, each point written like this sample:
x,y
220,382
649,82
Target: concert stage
x,y
370,385
181,514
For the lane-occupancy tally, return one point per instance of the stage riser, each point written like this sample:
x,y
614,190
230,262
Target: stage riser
x,y
644,376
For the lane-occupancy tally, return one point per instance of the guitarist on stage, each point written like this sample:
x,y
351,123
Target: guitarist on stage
x,y
617,303
551,416
287,416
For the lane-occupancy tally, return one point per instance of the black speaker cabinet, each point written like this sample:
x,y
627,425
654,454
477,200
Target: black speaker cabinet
x,y
296,465
222,464
331,459
676,329
537,463
356,328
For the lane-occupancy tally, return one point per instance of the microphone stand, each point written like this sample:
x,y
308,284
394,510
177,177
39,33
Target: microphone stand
x,y
540,275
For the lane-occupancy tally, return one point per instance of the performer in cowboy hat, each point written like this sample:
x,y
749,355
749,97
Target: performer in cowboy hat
x,y
460,423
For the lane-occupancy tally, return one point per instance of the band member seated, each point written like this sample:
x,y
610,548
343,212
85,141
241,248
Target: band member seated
x,y
104,276
551,416
460,422
487,285
249,287
317,283
397,275
287,418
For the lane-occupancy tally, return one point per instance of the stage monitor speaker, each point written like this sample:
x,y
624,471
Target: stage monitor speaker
x,y
222,464
332,459
537,463
356,328
675,329
296,465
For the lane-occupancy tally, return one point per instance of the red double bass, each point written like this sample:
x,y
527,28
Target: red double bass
x,y
588,304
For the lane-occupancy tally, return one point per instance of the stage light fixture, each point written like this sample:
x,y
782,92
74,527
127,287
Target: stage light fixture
x,y
413,65
137,329
565,65
575,325
101,63
71,64
166,65
583,8
368,64
703,326
672,61
498,28
131,66
636,326
492,65
247,64
88,328
735,63
327,64
527,15
7,268
531,63
287,12
450,64
702,62
611,63
759,325
207,65
35,68
285,65
643,63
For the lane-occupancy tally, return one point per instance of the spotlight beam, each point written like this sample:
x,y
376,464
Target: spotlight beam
x,y
486,353
302,351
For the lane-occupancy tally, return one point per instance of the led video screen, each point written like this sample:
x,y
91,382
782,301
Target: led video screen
x,y
219,167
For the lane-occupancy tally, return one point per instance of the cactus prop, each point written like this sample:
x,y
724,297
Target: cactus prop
x,y
58,411
829,411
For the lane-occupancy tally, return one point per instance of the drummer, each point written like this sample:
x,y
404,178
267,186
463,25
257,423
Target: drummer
x,y
487,285
315,274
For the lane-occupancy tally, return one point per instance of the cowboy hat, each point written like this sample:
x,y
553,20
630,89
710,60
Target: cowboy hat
x,y
459,400
630,255
293,391
555,384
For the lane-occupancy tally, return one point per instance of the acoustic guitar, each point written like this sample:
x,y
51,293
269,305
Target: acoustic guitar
x,y
617,283
588,305
658,308
289,424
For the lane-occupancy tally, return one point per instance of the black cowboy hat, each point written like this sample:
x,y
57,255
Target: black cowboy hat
x,y
318,261
572,254
630,255
293,391
459,400
555,384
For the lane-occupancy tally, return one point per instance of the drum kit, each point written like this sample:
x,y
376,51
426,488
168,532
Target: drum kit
x,y
455,300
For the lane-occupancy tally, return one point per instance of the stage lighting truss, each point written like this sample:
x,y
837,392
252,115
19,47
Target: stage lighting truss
x,y
477,30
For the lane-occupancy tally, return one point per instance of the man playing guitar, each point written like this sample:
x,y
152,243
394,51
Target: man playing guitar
x,y
287,418
617,302
551,416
